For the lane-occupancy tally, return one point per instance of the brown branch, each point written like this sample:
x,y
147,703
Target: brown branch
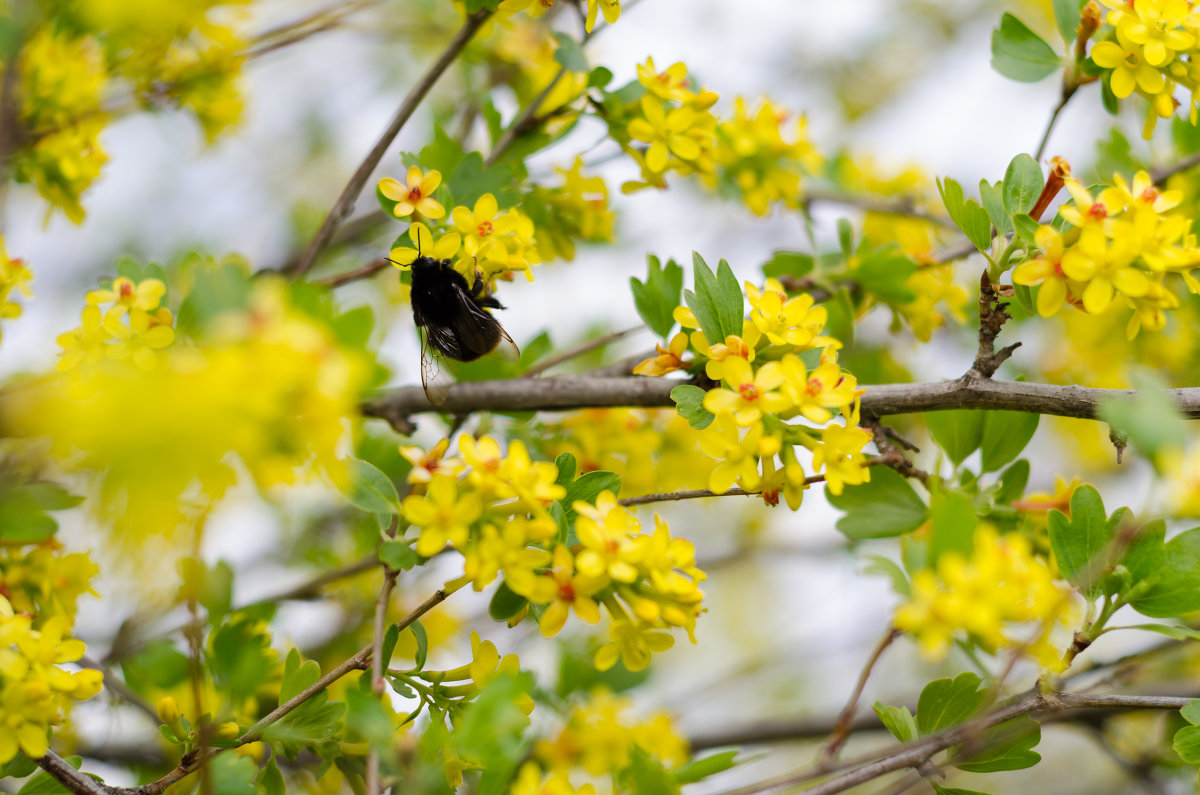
x,y
906,206
916,754
992,315
370,269
841,728
74,780
345,202
579,350
691,494
562,393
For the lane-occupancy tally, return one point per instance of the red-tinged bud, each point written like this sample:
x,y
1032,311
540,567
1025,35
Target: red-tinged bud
x,y
1089,22
1059,171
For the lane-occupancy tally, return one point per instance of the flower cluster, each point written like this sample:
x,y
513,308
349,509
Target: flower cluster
x,y
1123,243
134,327
167,53
14,277
577,209
754,154
763,383
494,509
42,581
270,385
523,59
652,449
599,740
1152,49
980,597
35,692
674,125
482,241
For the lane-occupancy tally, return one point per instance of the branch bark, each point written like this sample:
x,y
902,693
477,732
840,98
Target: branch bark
x,y
879,400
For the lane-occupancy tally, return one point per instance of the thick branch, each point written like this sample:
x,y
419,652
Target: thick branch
x,y
879,400
74,780
345,202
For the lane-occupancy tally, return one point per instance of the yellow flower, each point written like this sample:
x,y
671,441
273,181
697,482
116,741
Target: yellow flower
x,y
143,295
738,455
445,248
670,84
443,515
606,532
840,453
826,387
566,589
750,394
1130,70
611,9
427,464
668,133
669,359
415,194
631,643
1046,269
787,321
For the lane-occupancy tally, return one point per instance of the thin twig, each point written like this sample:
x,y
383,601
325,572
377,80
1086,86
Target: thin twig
x,y
370,269
345,202
579,350
841,729
904,207
378,664
1067,92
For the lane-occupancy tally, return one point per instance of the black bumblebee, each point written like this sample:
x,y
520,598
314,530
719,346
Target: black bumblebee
x,y
454,320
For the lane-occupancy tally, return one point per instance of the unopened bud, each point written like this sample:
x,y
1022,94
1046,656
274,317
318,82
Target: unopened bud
x,y
168,710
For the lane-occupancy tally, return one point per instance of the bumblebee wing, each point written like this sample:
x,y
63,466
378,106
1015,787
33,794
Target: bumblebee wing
x,y
506,349
477,332
435,380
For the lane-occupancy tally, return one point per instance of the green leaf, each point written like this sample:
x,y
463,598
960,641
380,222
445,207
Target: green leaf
x,y
897,720
506,603
566,469
1005,747
885,273
1082,538
967,214
992,197
242,657
954,523
1026,229
646,775
398,555
689,402
1174,588
576,674
1191,712
218,288
387,647
957,431
19,766
270,779
599,77
1171,631
788,263
880,565
370,489
297,676
471,179
1024,298
1012,482
443,154
158,665
948,702
1005,435
367,718
1023,184
1066,17
587,487
657,297
1186,744
489,731
1020,54
211,586
422,639
884,507
699,769
1150,420
718,302
1144,556
569,54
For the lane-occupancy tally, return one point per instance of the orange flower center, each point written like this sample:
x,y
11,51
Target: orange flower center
x,y
749,392
126,289
1149,195
1097,211
415,195
814,387
770,496
566,591
1058,270
484,229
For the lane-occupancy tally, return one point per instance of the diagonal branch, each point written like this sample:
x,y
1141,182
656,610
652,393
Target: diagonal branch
x,y
345,202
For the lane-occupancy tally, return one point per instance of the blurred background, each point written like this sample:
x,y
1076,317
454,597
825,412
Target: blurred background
x,y
792,615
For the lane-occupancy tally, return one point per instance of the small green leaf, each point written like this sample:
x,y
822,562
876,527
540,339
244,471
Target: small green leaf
x,y
1012,482
297,676
730,302
967,214
897,720
788,263
1191,712
398,555
387,646
370,489
883,507
599,77
1171,631
689,402
717,301
1005,747
566,468
570,54
992,197
705,766
954,523
1174,589
271,780
1186,744
506,603
1026,229
1066,17
957,431
1024,297
1023,184
588,486
1005,435
422,639
1020,54
880,565
1081,539
885,273
657,297
948,702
